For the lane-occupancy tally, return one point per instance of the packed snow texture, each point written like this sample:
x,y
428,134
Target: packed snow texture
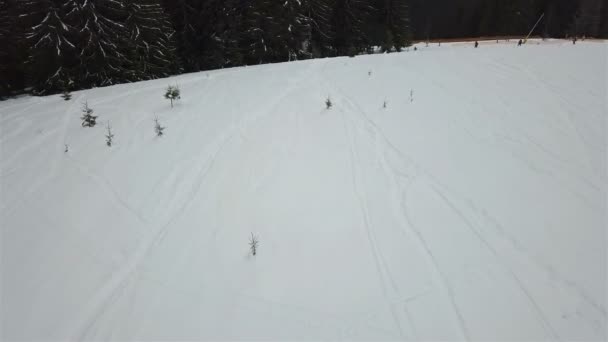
x,y
475,210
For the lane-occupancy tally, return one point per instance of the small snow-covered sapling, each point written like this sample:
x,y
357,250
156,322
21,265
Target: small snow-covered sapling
x,y
66,148
173,94
109,136
88,119
158,129
411,95
253,244
384,104
66,95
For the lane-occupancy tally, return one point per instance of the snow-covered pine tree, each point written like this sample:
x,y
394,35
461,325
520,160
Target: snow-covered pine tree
x,y
151,37
173,94
52,51
588,18
6,21
275,31
67,96
7,48
295,30
389,27
258,23
102,43
222,31
603,30
319,15
88,119
186,18
348,21
397,23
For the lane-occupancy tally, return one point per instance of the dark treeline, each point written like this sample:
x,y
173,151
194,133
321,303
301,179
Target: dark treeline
x,y
477,18
48,46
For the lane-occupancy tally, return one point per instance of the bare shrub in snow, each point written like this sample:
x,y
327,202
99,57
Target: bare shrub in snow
x,y
253,244
158,129
328,103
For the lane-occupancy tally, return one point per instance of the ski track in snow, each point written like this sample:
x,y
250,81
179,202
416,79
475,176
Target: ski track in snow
x,y
438,273
436,185
380,265
120,280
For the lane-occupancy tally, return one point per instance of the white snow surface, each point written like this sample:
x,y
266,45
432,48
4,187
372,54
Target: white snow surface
x,y
476,212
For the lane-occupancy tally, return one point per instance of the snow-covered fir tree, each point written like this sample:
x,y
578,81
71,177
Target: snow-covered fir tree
x,y
152,40
88,119
349,22
222,27
172,93
275,31
8,42
186,18
319,15
102,43
4,54
396,24
52,51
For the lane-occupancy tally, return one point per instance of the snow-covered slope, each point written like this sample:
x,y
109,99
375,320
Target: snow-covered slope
x,y
476,211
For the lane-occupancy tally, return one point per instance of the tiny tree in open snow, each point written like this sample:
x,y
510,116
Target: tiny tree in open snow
x,y
158,129
173,94
88,119
328,103
253,244
109,136
66,95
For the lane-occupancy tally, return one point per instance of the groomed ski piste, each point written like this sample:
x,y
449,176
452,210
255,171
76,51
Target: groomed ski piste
x,y
471,207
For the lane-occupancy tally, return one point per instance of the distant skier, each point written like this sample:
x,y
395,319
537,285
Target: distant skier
x,y
574,41
476,44
520,42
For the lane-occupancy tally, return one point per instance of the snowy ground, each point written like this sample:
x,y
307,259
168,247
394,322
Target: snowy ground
x,y
476,212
